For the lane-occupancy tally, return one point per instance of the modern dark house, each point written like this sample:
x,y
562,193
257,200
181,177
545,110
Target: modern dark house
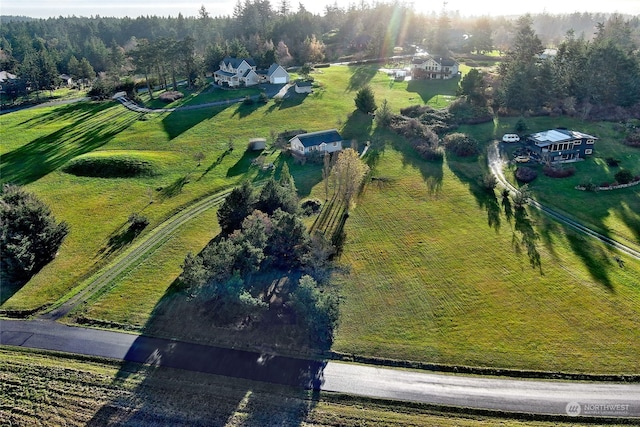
x,y
561,145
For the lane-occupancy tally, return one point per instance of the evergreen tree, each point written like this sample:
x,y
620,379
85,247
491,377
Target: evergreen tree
x,y
29,234
365,100
236,207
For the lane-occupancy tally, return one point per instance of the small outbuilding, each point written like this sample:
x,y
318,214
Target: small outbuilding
x,y
303,86
257,144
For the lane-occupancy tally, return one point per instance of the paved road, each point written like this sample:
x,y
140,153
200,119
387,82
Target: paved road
x,y
496,165
491,393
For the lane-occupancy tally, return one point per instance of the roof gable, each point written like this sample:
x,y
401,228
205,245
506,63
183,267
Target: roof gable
x,y
317,138
236,62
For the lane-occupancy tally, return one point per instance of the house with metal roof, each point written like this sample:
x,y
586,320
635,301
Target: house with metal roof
x,y
322,141
430,67
561,145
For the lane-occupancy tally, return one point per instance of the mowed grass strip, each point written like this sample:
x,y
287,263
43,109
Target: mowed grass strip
x,y
131,300
40,141
43,388
434,278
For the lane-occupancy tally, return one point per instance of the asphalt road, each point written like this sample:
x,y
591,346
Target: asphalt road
x,y
489,393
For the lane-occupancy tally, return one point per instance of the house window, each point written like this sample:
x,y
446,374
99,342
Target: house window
x,y
577,142
590,141
588,151
335,144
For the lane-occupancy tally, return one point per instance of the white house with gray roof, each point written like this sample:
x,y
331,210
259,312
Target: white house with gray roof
x,y
236,72
431,67
322,141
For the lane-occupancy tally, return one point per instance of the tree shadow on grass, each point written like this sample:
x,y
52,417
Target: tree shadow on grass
x,y
243,164
215,163
119,239
77,111
245,109
429,89
174,188
486,198
593,257
180,121
188,380
358,126
528,238
47,153
361,75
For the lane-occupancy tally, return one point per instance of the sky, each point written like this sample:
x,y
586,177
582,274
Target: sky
x,y
134,8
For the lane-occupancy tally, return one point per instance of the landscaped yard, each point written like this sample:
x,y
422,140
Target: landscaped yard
x,y
439,270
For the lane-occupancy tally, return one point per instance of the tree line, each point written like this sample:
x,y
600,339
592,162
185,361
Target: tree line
x,y
583,74
83,47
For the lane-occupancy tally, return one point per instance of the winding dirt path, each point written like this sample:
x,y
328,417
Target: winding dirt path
x,y
496,164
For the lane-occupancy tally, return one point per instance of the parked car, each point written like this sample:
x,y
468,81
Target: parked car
x,y
510,137
522,159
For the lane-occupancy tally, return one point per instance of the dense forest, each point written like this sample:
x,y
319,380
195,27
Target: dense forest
x,y
597,55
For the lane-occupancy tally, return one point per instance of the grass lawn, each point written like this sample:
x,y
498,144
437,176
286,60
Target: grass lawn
x,y
440,272
41,388
614,213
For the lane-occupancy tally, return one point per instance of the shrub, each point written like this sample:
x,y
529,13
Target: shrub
x,y
263,98
605,185
170,96
248,100
624,176
311,207
489,181
526,174
521,126
461,145
429,153
137,222
589,186
611,162
556,172
109,167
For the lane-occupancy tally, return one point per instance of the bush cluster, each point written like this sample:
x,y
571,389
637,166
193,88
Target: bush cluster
x,y
463,112
556,172
525,174
624,176
170,96
461,144
109,167
424,140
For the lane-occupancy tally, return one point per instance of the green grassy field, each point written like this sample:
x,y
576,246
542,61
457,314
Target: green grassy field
x,y
440,271
40,388
613,213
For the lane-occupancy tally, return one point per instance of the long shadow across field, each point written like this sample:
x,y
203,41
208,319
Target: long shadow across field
x,y
92,129
181,381
180,121
431,171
